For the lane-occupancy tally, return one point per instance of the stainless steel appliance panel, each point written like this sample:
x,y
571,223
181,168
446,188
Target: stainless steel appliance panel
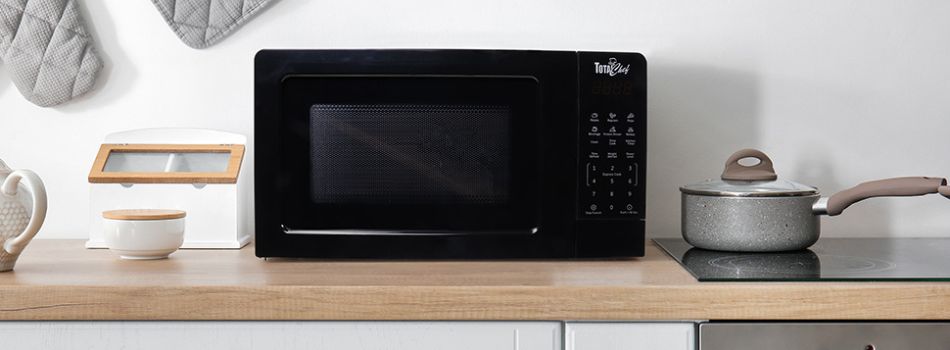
x,y
824,336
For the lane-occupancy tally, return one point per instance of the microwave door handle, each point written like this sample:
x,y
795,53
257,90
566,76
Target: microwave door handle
x,y
371,232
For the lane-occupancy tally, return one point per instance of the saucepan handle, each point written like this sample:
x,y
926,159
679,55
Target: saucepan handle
x,y
895,187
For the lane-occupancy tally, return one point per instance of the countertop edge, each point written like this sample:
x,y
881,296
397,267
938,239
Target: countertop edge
x,y
707,301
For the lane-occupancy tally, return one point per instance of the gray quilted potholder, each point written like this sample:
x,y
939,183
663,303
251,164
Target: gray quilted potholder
x,y
202,23
45,46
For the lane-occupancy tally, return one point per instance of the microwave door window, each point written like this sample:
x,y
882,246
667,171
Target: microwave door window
x,y
444,155
410,154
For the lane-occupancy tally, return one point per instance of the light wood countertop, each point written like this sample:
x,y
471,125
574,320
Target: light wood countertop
x,y
61,280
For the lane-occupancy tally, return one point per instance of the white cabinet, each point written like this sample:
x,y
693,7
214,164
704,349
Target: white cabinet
x,y
282,335
629,336
286,335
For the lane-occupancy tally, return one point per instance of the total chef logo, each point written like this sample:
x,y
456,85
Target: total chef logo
x,y
612,68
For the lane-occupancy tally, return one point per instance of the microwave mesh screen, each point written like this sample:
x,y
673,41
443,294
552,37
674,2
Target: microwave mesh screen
x,y
410,154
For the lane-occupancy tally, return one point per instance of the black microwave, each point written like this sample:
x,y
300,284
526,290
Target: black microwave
x,y
449,154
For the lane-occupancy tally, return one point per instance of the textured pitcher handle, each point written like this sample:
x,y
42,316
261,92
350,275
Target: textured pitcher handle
x,y
16,244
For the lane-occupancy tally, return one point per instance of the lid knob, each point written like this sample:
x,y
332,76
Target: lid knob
x,y
762,171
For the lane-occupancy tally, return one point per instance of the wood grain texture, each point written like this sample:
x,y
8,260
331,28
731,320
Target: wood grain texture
x,y
59,280
143,214
98,175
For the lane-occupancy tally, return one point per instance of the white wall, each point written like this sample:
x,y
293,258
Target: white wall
x,y
836,92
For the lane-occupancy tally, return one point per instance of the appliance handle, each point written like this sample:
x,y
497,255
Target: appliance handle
x,y
893,187
761,171
371,232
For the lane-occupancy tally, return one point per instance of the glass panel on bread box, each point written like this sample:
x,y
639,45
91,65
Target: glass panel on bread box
x,y
119,163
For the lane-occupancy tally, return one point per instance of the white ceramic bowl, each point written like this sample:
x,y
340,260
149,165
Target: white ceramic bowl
x,y
143,237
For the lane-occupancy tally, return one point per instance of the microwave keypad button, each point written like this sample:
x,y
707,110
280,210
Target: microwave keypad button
x,y
631,174
612,132
591,176
593,209
627,209
594,131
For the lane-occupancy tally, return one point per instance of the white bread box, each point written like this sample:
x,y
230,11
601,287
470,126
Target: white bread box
x,y
194,170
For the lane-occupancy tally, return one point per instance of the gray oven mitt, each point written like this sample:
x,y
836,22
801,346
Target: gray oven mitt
x,y
202,23
47,50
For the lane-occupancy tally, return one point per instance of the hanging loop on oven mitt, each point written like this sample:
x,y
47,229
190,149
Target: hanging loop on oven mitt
x,y
202,23
47,50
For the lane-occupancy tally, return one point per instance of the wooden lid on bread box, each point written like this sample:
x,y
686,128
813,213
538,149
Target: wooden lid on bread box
x,y
167,163
143,214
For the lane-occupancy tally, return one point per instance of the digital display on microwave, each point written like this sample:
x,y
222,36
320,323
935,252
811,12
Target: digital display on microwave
x,y
611,87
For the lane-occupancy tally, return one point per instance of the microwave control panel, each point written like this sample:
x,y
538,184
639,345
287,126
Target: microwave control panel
x,y
611,135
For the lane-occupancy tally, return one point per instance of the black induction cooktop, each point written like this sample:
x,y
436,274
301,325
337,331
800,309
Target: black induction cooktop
x,y
831,259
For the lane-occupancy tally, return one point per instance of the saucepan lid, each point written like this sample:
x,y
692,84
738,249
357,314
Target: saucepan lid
x,y
757,180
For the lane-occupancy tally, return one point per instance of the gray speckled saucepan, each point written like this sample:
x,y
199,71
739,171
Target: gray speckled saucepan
x,y
751,210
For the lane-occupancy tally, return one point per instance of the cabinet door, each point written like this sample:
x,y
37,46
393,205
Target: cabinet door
x,y
282,335
629,336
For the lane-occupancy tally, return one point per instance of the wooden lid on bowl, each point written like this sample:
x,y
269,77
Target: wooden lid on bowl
x,y
143,214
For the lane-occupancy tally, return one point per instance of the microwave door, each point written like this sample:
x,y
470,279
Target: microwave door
x,y
412,156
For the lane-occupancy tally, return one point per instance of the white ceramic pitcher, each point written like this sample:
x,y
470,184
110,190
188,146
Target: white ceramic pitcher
x,y
18,223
